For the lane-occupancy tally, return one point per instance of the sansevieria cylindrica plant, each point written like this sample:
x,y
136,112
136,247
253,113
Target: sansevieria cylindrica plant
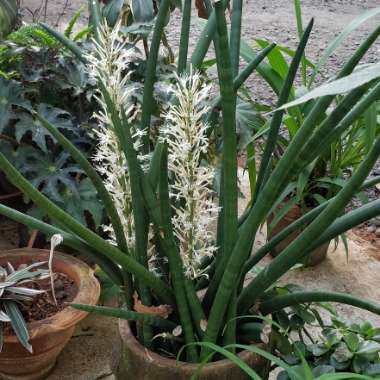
x,y
156,187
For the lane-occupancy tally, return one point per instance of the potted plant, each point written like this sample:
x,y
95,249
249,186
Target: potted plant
x,y
157,190
341,347
323,178
36,323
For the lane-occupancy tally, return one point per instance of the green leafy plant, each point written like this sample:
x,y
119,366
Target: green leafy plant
x,y
323,177
154,201
341,346
300,372
15,289
37,75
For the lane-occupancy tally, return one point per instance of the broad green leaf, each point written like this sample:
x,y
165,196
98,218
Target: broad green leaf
x,y
342,353
27,123
368,347
340,86
11,94
303,313
360,363
276,59
318,349
291,53
339,365
50,175
265,70
344,376
81,200
322,369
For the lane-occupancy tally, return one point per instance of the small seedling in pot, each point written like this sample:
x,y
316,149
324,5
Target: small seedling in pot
x,y
16,289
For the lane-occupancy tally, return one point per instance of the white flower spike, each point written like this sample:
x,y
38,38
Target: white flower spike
x,y
185,133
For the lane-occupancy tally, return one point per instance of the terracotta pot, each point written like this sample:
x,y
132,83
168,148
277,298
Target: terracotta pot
x,y
315,257
49,336
139,363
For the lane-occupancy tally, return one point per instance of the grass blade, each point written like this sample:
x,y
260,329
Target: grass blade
x,y
278,116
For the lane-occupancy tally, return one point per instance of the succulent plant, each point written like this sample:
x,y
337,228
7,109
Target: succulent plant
x,y
15,290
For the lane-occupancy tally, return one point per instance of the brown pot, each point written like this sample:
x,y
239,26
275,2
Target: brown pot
x,y
49,336
139,363
315,257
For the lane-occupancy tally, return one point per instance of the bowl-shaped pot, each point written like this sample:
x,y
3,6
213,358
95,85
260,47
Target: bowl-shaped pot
x,y
137,362
315,257
49,336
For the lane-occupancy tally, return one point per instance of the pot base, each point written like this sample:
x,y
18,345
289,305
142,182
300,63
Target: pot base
x,y
41,374
137,362
314,258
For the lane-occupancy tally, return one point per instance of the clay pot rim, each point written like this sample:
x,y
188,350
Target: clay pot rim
x,y
69,316
134,345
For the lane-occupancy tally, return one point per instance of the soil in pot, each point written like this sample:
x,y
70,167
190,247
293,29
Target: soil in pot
x,y
43,305
137,362
315,257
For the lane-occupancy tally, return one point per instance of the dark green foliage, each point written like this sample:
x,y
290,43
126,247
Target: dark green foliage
x,y
55,86
340,347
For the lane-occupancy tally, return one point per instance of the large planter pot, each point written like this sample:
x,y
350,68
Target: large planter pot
x,y
315,257
49,336
137,362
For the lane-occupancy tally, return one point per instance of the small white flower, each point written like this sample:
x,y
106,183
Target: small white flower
x,y
55,241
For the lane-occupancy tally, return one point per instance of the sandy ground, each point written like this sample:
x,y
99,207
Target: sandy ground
x,y
89,354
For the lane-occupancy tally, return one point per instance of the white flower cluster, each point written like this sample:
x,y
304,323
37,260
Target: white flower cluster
x,y
108,63
190,190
